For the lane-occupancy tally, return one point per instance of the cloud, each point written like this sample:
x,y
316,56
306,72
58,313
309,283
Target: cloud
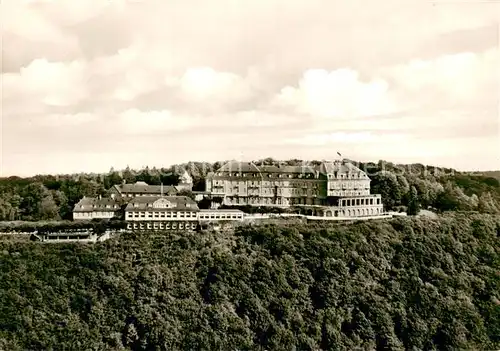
x,y
51,83
205,83
145,122
453,79
337,94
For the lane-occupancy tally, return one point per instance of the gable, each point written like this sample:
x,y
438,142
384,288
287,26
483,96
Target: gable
x,y
163,203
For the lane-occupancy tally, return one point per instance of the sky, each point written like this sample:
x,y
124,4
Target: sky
x,y
92,84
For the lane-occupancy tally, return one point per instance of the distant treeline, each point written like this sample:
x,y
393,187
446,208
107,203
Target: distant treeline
x,y
409,283
403,187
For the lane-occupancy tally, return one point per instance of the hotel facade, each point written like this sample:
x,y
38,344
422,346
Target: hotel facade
x,y
332,189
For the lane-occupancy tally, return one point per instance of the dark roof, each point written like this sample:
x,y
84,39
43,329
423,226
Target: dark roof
x,y
340,167
144,188
146,202
248,167
239,167
92,204
288,169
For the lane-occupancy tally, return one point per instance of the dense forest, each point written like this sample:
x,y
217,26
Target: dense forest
x,y
403,187
406,283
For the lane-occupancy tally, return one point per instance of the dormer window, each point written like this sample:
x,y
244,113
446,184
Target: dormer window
x,y
162,203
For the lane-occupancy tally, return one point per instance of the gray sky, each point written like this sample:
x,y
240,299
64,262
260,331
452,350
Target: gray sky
x,y
90,84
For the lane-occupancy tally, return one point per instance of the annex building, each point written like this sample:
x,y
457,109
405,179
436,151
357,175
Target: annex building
x,y
332,189
172,213
89,208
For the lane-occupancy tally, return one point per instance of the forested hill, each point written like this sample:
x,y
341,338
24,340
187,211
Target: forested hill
x,y
407,283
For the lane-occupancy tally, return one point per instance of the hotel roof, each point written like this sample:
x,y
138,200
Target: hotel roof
x,y
144,188
92,204
146,202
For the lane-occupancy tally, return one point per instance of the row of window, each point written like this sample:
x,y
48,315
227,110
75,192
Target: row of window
x,y
348,193
161,225
268,175
157,214
95,214
66,237
270,201
222,183
221,216
349,185
360,202
347,176
98,206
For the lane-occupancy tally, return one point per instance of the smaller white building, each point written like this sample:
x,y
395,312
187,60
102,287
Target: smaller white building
x,y
185,182
95,208
215,215
162,213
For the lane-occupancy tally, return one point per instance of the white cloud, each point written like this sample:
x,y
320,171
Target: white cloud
x,y
456,78
53,83
337,94
15,18
143,122
204,84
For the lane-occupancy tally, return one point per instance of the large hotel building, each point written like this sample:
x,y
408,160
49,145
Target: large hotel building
x,y
333,189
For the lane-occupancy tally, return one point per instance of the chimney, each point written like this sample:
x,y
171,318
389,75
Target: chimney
x,y
161,189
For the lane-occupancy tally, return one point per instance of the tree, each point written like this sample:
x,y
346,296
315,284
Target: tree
x,y
486,204
413,203
112,178
453,198
128,176
48,207
386,184
186,192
